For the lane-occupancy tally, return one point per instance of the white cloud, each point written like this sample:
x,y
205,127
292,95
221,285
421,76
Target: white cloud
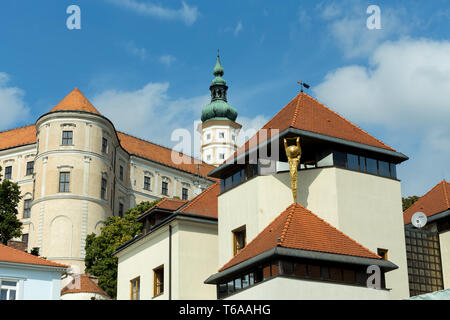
x,y
132,49
12,105
167,59
238,28
150,112
186,13
346,25
249,127
405,90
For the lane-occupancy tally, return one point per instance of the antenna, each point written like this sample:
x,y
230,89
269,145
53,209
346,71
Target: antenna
x,y
302,84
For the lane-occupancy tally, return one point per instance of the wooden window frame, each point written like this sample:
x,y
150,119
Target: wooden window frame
x,y
239,230
136,281
158,287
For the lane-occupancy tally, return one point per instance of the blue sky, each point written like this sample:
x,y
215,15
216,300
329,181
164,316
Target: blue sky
x,y
147,66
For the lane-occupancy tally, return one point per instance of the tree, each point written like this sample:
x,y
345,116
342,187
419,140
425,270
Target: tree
x,y
408,202
99,258
10,225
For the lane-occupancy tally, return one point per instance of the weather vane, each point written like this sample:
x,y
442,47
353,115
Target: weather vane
x,y
302,84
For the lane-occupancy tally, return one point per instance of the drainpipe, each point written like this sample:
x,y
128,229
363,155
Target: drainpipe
x,y
170,262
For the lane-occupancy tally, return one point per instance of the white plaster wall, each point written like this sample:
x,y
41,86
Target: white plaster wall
x,y
83,296
444,239
281,288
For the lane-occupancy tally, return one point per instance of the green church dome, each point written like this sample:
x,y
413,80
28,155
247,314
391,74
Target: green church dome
x,y
218,108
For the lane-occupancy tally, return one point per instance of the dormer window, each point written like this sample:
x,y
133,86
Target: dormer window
x,y
67,138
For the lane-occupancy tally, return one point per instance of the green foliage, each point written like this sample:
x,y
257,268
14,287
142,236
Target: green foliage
x,y
408,202
35,251
99,259
10,225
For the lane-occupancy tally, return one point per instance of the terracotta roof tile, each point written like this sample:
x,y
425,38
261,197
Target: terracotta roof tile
x,y
299,228
163,155
434,201
170,204
306,113
205,204
18,137
8,254
86,285
75,101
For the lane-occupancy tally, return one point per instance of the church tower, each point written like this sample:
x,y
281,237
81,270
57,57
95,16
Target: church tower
x,y
219,131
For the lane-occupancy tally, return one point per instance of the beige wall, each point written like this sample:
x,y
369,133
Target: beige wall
x,y
444,239
215,145
194,258
281,288
351,201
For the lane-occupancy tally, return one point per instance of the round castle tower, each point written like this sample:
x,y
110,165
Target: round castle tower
x,y
74,183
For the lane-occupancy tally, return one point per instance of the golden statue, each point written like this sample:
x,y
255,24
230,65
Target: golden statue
x,y
293,153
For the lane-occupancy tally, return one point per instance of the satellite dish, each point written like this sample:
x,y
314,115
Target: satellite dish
x,y
419,220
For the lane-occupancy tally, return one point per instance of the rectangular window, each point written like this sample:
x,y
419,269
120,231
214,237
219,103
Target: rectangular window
x,y
221,135
158,281
237,178
362,164
64,180
383,253
383,168
165,188
121,173
239,240
103,191
25,239
67,137
352,162
372,166
121,210
30,168
184,193
27,208
147,182
340,159
8,290
104,145
221,156
8,172
393,170
135,289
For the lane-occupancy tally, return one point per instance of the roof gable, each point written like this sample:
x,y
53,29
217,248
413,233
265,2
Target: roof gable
x,y
86,284
75,101
8,254
299,228
434,201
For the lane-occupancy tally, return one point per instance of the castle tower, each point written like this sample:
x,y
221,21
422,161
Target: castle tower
x,y
219,131
75,177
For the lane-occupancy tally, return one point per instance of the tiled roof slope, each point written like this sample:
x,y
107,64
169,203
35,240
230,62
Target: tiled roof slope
x,y
18,137
75,101
8,254
162,155
434,201
86,285
169,204
299,228
308,114
205,204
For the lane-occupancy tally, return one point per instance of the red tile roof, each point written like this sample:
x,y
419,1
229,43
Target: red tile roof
x,y
434,201
299,228
306,113
163,155
75,101
18,137
86,285
8,254
169,204
205,204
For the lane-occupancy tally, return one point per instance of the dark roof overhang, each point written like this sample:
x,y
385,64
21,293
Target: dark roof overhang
x,y
278,252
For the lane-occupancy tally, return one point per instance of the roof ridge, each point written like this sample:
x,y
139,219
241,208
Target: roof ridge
x,y
333,227
349,122
37,257
197,198
162,146
25,126
287,223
